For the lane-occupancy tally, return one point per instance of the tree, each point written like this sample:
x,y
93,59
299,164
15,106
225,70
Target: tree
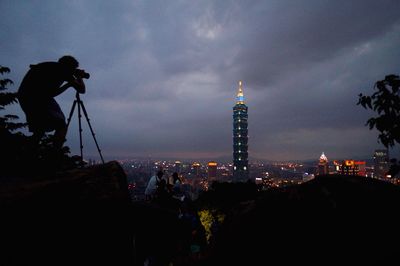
x,y
7,124
13,144
385,101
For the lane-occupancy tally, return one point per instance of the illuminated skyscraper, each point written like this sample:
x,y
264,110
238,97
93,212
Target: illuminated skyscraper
x,y
240,138
323,168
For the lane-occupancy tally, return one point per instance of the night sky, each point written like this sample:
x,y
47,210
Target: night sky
x,y
164,74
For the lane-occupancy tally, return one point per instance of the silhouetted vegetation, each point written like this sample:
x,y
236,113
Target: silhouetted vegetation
x,y
7,124
385,101
12,142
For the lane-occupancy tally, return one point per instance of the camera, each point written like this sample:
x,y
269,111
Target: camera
x,y
80,73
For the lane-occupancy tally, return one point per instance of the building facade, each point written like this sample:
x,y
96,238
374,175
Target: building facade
x,y
178,167
381,163
350,167
240,138
196,169
212,171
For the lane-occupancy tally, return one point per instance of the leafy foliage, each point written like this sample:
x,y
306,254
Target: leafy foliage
x,y
7,123
385,101
209,219
14,145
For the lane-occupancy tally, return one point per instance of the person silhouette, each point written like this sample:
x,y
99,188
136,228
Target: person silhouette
x,y
152,185
176,187
40,85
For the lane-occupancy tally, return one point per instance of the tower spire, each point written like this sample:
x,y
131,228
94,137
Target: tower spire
x,y
240,96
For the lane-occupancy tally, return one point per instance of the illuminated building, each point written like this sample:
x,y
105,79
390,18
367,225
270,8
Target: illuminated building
x,y
212,171
240,138
350,167
323,168
178,166
196,169
381,163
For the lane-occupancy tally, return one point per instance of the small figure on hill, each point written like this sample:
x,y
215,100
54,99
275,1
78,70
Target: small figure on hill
x,y
152,185
176,187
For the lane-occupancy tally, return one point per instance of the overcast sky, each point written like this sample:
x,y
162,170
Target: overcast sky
x,y
164,74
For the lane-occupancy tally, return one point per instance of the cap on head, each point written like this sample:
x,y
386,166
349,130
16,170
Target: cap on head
x,y
69,61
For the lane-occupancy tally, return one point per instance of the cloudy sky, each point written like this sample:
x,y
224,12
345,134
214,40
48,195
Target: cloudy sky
x,y
164,74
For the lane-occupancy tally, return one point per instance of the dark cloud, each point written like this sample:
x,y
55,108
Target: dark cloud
x,y
164,74
286,37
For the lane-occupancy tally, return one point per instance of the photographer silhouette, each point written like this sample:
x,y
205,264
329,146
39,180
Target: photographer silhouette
x,y
41,84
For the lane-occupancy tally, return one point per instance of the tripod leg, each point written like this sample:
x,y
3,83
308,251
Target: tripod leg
x,y
91,130
71,113
80,129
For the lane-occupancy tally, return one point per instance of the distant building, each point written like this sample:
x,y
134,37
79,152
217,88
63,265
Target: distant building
x,y
381,163
240,138
224,173
323,167
178,167
196,169
212,171
307,177
350,167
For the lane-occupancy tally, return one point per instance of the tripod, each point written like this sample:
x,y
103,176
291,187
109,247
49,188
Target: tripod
x,y
81,106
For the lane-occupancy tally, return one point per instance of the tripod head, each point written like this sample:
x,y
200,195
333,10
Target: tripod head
x,y
77,96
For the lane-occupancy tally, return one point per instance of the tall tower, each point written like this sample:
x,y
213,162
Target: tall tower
x,y
240,138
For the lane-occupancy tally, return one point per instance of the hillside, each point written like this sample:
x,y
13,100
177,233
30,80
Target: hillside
x,y
85,216
332,219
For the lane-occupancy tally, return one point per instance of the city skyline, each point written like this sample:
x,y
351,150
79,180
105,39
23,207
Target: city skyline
x,y
164,74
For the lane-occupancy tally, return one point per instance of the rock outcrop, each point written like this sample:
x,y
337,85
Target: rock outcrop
x,y
80,216
97,184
